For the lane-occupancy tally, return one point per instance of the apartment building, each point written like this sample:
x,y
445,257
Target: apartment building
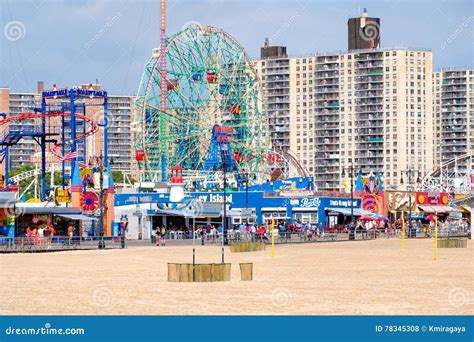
x,y
368,108
378,112
120,137
454,113
13,104
273,69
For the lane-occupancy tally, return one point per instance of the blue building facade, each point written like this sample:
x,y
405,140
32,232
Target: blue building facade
x,y
307,209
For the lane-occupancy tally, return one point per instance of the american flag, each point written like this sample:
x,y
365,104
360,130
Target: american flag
x,y
70,155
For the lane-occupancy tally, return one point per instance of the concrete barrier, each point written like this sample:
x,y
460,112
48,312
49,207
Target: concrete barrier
x,y
247,247
200,272
452,243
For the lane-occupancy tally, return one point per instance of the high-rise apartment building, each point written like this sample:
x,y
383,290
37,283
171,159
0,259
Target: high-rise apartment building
x,y
368,108
274,71
13,104
376,105
454,115
120,137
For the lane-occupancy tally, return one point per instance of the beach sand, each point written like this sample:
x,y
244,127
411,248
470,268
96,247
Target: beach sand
x,y
342,278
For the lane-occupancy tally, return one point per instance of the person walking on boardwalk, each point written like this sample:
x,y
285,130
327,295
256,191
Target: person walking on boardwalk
x,y
70,232
163,236
158,235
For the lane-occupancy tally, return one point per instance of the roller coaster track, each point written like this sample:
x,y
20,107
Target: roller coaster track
x,y
449,177
93,128
27,174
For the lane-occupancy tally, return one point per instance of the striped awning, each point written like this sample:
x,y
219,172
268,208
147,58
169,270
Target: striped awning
x,y
436,208
357,212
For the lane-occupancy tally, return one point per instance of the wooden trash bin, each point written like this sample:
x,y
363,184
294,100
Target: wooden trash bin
x,y
221,272
202,272
452,243
240,247
246,271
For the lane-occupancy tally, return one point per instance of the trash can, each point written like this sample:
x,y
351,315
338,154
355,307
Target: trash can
x,y
246,271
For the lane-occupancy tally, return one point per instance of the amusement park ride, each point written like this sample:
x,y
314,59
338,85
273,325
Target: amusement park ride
x,y
61,125
200,106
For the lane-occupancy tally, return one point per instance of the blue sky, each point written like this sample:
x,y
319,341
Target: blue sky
x,y
73,42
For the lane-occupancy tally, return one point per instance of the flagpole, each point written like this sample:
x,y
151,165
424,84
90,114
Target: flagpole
x,y
273,237
436,238
403,232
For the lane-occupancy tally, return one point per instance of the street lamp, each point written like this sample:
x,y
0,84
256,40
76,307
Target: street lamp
x,y
411,174
246,190
101,244
103,206
350,169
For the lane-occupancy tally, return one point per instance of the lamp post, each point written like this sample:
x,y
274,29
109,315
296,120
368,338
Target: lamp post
x,y
246,191
101,201
350,169
103,206
224,216
411,174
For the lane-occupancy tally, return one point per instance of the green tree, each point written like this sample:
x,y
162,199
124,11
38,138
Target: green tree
x,y
118,177
27,181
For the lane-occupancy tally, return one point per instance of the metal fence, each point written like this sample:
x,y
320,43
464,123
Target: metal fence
x,y
283,237
58,243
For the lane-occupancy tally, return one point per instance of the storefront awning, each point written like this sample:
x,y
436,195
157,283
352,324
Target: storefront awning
x,y
78,217
191,214
305,209
172,212
274,209
276,218
356,211
436,208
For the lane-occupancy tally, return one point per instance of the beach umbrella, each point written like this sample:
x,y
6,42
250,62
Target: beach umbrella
x,y
431,217
365,218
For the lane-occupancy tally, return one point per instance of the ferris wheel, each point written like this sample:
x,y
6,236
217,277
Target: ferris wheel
x,y
214,109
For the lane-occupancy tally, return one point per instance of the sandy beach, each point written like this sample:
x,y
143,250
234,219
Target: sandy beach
x,y
343,278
